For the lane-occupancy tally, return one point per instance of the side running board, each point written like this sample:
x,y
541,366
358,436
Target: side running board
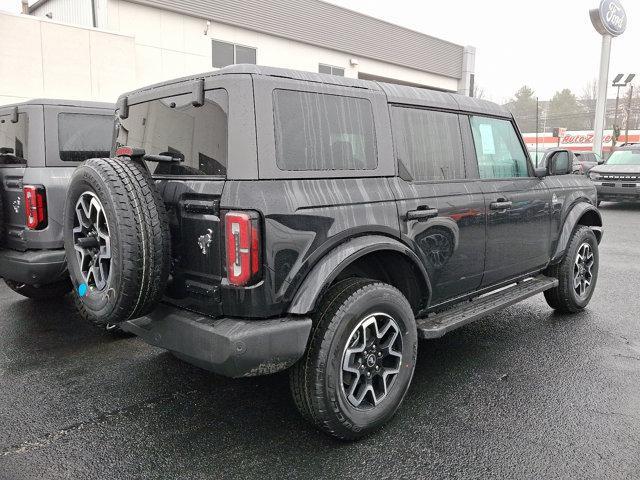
x,y
436,325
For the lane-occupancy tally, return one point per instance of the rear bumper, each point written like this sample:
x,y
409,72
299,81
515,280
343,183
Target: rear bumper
x,y
618,192
230,347
35,267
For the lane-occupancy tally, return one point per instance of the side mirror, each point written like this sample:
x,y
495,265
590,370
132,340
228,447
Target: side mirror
x,y
558,163
600,161
14,115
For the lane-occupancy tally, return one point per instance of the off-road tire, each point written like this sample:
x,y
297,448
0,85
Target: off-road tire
x,y
564,298
316,379
56,290
140,240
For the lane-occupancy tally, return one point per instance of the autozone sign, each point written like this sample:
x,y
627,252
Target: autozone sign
x,y
581,140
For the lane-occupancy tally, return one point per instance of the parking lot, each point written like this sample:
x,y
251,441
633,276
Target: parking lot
x,y
525,393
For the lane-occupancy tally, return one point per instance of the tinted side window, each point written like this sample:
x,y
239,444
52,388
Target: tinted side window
x,y
83,136
316,131
499,152
13,140
196,137
428,143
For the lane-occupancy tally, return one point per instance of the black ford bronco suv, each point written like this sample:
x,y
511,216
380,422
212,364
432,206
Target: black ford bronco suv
x,y
256,219
41,143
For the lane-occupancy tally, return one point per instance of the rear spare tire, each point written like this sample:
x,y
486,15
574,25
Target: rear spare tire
x,y
117,241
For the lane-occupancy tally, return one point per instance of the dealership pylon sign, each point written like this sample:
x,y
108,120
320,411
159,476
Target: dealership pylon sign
x,y
609,20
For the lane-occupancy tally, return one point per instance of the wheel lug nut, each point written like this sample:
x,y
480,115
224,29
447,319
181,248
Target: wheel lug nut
x,y
379,354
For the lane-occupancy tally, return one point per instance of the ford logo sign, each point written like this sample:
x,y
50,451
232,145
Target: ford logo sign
x,y
610,18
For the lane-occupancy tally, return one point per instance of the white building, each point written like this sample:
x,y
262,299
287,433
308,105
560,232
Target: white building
x,y
96,49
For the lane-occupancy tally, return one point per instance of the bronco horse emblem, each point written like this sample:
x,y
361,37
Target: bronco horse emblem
x,y
204,241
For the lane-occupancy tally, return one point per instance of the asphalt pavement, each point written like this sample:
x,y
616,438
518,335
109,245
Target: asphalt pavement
x,y
524,393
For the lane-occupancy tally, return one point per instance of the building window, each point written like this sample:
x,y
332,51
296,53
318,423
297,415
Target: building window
x,y
330,70
225,54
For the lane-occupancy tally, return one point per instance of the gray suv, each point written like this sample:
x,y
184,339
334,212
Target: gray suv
x,y
619,178
41,144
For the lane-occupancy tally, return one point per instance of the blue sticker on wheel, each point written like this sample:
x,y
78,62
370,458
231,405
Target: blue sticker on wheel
x,y
82,290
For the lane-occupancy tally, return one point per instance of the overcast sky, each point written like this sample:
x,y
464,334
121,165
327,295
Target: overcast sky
x,y
546,44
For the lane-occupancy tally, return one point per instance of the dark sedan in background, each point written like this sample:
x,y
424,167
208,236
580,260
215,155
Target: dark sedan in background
x,y
618,179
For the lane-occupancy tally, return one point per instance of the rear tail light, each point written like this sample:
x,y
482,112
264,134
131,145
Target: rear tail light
x,y
242,232
126,151
35,206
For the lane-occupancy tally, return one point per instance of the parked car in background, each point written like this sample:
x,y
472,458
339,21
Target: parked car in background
x,y
618,179
41,144
583,162
256,219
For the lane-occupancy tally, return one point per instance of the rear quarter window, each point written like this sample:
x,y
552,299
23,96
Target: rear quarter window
x,y
83,136
13,140
316,131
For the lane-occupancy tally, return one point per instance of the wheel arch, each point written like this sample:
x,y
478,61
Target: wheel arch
x,y
583,214
372,256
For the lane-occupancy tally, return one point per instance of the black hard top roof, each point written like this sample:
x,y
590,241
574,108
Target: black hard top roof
x,y
395,93
63,103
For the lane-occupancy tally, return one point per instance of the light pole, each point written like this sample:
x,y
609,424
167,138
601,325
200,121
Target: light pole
x,y
618,83
609,20
626,135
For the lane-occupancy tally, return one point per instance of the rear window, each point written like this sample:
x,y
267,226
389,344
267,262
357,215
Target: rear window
x,y
317,131
195,137
13,140
82,136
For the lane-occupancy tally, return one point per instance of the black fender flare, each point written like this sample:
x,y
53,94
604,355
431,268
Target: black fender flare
x,y
334,262
572,219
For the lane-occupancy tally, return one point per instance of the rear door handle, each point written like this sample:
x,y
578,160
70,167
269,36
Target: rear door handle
x,y
501,205
423,214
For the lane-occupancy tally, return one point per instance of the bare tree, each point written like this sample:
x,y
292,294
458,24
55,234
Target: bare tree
x,y
590,91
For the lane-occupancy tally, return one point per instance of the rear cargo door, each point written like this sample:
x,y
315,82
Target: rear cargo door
x,y
14,133
195,136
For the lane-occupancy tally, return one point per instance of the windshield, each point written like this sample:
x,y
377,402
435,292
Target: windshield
x,y
624,157
195,137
